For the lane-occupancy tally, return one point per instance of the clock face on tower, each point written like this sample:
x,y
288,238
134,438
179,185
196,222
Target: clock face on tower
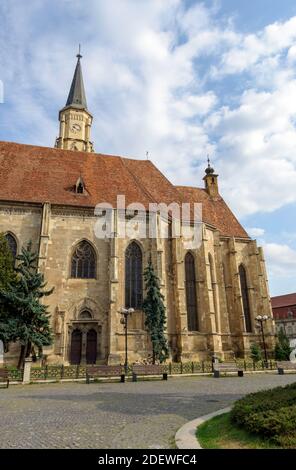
x,y
75,128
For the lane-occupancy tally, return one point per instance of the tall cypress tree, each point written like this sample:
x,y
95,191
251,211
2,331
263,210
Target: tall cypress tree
x,y
7,277
154,309
22,300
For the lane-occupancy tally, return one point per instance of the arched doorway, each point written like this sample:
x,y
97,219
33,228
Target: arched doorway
x,y
91,347
76,346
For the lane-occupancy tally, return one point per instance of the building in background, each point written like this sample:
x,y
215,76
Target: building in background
x,y
284,313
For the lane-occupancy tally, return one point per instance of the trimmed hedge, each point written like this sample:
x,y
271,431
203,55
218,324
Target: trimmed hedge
x,y
270,414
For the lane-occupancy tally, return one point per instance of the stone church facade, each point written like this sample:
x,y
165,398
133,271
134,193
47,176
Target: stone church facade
x,y
212,292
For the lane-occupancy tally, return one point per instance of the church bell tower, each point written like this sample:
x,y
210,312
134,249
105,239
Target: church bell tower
x,y
75,119
211,181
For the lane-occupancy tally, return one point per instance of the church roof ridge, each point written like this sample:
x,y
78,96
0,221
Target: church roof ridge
x,y
189,187
76,152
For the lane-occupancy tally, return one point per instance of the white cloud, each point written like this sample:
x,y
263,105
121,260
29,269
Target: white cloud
x,y
252,48
151,70
255,232
256,144
291,56
281,267
281,260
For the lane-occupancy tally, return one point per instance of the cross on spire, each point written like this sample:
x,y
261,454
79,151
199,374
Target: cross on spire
x,y
79,56
211,180
209,170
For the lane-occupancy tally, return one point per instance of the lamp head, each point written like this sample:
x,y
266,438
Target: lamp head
x,y
123,311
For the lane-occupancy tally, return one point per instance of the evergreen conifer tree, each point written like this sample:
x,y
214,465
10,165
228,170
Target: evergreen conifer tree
x,y
256,352
154,309
21,299
282,349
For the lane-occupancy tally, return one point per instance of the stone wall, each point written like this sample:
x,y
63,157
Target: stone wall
x,y
55,232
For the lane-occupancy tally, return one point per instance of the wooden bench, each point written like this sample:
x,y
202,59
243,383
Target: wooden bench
x,y
285,365
4,377
225,367
147,369
95,372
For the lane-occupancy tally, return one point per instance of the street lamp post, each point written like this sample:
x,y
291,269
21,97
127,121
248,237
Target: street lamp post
x,y
261,320
125,312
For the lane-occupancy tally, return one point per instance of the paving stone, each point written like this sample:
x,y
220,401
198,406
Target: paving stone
x,y
137,415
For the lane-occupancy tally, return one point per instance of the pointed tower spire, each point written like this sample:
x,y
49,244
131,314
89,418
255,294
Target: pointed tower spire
x,y
75,119
76,97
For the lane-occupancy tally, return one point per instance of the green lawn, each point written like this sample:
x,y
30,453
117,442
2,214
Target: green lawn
x,y
220,433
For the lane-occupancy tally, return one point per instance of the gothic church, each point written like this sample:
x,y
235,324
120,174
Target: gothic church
x,y
212,293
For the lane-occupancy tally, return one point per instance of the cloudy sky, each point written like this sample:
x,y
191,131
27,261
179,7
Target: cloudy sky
x,y
178,78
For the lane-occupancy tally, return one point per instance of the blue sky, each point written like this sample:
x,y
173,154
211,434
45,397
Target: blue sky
x,y
179,78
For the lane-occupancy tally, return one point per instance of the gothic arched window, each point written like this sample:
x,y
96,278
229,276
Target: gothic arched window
x,y
245,298
225,275
12,244
213,281
226,284
83,263
190,287
133,276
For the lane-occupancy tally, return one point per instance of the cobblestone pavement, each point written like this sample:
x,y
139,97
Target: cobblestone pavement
x,y
138,415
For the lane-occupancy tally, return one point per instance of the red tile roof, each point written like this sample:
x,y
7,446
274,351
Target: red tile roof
x,y
283,300
214,211
41,174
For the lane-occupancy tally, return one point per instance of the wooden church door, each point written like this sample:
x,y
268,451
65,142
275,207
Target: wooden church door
x,y
91,347
76,345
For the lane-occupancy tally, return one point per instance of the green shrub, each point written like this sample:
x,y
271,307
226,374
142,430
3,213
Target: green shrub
x,y
282,349
270,414
288,440
273,422
256,352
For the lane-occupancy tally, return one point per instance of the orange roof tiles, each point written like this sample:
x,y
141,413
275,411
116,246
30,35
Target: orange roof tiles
x,y
41,174
214,211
